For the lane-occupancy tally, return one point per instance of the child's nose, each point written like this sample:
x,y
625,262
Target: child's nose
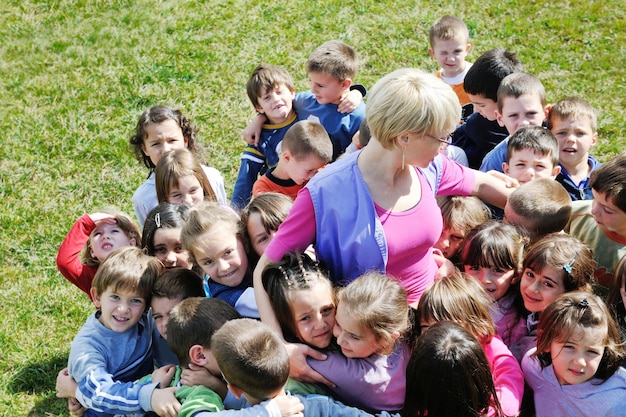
x,y
170,258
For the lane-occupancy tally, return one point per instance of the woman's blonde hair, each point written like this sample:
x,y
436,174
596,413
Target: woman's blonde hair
x,y
378,302
410,100
461,299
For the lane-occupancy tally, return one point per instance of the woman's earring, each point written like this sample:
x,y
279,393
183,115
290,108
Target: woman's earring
x,y
403,151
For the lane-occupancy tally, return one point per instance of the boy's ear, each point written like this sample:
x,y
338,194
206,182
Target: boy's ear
x,y
237,392
556,171
546,111
395,335
505,168
287,156
95,297
345,84
499,118
594,139
259,109
196,355
431,52
468,47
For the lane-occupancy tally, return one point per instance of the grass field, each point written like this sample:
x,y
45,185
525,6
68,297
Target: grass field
x,y
75,75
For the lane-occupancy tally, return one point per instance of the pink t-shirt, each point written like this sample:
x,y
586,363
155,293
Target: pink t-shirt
x,y
409,235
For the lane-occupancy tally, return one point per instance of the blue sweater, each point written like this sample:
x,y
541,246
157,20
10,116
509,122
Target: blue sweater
x,y
104,363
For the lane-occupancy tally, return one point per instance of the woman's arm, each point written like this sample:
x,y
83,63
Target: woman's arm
x,y
491,189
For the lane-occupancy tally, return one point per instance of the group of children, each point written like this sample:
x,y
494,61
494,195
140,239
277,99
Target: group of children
x,y
514,329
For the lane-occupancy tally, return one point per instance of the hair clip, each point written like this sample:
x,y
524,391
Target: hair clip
x,y
583,304
157,220
281,269
568,266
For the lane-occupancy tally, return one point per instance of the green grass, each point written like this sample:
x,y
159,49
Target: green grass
x,y
75,75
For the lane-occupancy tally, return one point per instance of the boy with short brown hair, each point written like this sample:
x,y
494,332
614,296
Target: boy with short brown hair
x,y
521,102
449,45
573,122
305,149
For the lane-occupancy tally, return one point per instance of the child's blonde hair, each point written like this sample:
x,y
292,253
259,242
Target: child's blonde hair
x,y
124,222
204,216
128,269
305,138
542,215
176,164
573,108
334,58
273,209
447,28
579,311
294,272
252,357
378,302
567,254
462,213
459,298
518,84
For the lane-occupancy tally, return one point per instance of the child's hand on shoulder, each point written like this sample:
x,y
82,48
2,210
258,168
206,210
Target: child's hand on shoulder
x,y
252,133
199,375
289,406
350,101
164,375
164,403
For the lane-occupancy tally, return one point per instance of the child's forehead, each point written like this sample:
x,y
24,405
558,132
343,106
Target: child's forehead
x,y
457,38
585,335
269,88
527,99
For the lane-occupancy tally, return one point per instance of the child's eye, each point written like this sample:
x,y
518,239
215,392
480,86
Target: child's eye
x,y
473,267
498,271
179,249
305,318
530,274
208,262
136,301
262,238
115,297
157,317
593,352
159,251
548,284
326,311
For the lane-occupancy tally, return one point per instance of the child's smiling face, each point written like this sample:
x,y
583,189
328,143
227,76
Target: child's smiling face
x,y
120,310
539,287
276,103
222,255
